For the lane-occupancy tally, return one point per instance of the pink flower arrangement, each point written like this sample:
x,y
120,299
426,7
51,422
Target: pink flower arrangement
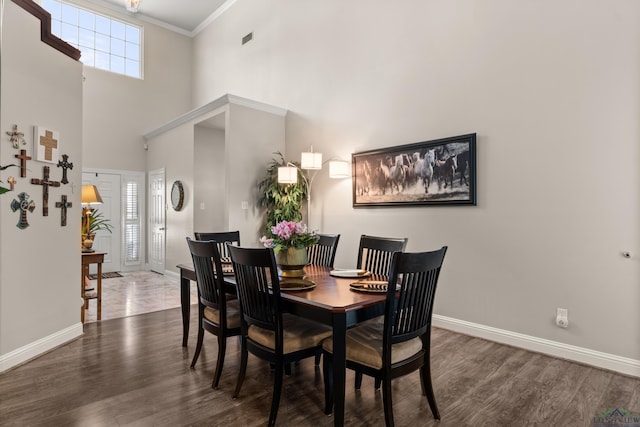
x,y
288,234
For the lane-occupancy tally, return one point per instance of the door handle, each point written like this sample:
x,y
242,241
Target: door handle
x,y
161,228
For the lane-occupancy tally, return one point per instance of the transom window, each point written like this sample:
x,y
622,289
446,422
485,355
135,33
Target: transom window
x,y
105,43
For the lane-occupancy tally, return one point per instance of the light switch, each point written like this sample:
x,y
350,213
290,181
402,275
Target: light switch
x,y
244,206
201,206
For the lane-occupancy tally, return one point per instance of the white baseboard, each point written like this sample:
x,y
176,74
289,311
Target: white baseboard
x,y
598,359
39,347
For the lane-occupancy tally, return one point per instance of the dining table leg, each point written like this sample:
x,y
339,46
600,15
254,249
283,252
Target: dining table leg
x,y
339,366
185,303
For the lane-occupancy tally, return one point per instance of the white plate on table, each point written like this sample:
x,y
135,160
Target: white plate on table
x,y
350,273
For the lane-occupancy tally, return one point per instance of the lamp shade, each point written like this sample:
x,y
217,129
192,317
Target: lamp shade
x,y
339,169
287,175
90,194
311,160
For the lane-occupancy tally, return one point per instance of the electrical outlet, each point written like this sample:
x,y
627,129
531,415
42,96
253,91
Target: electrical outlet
x,y
562,317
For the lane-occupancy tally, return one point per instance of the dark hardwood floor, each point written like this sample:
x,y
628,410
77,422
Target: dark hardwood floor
x,y
133,372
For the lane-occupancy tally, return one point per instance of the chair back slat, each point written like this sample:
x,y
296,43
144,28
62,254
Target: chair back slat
x,y
324,252
257,286
375,253
221,238
409,310
206,263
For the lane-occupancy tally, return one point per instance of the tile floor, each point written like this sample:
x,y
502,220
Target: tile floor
x,y
137,292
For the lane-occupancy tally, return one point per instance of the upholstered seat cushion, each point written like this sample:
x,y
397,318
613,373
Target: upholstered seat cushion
x,y
364,345
233,314
298,334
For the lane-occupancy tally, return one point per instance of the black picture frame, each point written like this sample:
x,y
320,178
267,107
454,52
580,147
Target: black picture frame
x,y
399,176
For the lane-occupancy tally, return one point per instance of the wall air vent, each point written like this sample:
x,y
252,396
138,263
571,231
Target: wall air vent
x,y
246,39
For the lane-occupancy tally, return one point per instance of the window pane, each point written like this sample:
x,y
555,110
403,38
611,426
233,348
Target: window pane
x,y
53,7
69,33
117,47
102,60
132,68
133,34
103,42
69,14
87,38
103,25
87,57
133,51
55,28
117,30
87,20
117,64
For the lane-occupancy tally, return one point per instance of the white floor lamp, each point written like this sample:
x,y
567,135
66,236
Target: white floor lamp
x,y
310,160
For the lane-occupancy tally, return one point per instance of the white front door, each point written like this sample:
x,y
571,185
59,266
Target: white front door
x,y
157,211
110,243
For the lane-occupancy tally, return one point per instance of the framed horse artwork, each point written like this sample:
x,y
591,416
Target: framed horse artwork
x,y
438,172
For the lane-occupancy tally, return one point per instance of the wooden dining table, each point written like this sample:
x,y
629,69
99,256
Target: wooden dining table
x,y
331,302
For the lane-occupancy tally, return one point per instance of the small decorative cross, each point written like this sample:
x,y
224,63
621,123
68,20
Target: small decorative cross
x,y
23,162
16,137
64,164
24,204
45,189
12,183
63,213
49,144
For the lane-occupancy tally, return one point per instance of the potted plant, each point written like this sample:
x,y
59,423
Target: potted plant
x,y
92,222
281,202
289,241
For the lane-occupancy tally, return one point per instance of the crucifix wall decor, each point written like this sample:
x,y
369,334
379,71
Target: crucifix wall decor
x,y
23,162
16,137
47,144
23,203
45,188
63,204
64,164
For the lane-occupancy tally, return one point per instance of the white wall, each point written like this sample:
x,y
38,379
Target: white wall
x,y
118,109
252,132
550,87
209,180
39,265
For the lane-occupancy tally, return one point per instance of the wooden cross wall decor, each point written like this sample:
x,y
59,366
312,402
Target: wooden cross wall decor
x,y
45,189
64,164
24,204
49,143
23,162
63,204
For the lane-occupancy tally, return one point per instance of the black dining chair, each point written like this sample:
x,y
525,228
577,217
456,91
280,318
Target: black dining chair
x,y
216,314
374,253
221,238
401,343
268,333
324,252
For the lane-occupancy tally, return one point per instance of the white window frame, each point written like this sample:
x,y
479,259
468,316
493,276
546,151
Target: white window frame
x,y
123,52
137,178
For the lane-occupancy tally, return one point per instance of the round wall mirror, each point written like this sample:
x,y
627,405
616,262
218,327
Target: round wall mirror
x,y
177,195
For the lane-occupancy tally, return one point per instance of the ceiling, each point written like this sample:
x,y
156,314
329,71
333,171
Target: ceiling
x,y
182,15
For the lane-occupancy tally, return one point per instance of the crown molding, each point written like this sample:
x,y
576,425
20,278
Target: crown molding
x,y
215,15
211,107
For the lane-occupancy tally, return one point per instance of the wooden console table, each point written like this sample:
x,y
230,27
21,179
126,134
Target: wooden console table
x,y
87,259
